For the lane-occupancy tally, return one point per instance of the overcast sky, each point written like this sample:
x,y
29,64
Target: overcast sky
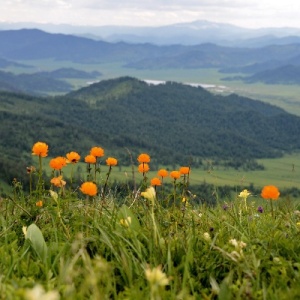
x,y
245,13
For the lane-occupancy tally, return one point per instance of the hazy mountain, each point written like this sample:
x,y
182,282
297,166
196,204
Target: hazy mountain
x,y
191,33
32,83
36,44
287,74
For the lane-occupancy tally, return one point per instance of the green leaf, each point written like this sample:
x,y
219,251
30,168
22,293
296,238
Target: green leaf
x,y
37,241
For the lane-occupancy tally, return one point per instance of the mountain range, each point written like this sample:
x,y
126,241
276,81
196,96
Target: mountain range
x,y
20,48
191,33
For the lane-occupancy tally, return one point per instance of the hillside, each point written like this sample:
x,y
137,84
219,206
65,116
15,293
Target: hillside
x,y
172,122
287,74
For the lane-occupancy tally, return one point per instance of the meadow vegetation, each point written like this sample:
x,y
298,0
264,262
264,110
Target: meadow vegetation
x,y
80,239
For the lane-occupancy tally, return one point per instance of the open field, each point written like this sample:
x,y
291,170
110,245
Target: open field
x,y
282,172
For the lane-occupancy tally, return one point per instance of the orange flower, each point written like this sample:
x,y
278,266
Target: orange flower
x,y
73,157
111,161
155,181
143,158
175,175
39,203
90,159
184,170
97,151
40,149
57,181
162,173
58,162
89,188
144,168
270,192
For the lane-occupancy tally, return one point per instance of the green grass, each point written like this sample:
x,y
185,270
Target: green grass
x,y
147,245
282,172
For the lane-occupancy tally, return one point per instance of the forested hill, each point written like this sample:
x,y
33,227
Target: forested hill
x,y
170,121
176,119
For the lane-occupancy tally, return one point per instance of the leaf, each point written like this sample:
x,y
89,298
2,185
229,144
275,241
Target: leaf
x,y
37,241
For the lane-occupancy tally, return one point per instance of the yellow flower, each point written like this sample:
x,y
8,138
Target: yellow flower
x,y
270,192
89,188
126,222
143,158
73,157
111,161
40,149
149,193
156,277
244,194
97,151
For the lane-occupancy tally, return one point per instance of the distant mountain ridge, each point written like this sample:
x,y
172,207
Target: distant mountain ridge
x,y
189,33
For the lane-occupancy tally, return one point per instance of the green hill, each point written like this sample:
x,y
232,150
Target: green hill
x,y
171,121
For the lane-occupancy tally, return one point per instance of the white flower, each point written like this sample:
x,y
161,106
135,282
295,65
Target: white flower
x,y
156,277
38,293
206,236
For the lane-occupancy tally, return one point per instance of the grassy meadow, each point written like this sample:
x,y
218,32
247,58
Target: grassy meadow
x,y
77,240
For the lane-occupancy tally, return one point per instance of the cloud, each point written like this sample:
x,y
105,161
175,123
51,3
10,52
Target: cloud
x,y
251,13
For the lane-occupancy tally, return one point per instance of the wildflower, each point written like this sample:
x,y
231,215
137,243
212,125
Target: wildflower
x,y
238,245
244,194
54,195
184,170
30,169
24,230
184,200
90,159
162,173
97,151
89,188
225,207
175,175
39,203
73,157
143,158
58,163
149,194
126,222
155,181
206,236
260,209
111,161
156,277
38,293
40,149
270,192
58,181
298,224
143,168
